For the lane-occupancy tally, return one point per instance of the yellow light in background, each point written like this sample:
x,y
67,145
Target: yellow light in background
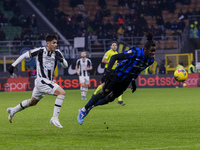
x,y
56,71
126,48
120,48
23,65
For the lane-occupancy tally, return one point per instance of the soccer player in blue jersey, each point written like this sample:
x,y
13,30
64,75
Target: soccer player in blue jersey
x,y
134,61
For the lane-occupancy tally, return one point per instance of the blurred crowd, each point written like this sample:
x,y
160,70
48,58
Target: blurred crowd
x,y
28,23
132,24
80,24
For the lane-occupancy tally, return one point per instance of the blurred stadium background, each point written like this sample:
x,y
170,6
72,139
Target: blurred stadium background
x,y
153,118
92,25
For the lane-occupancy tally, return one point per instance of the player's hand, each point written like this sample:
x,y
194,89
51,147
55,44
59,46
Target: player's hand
x,y
11,69
58,57
133,88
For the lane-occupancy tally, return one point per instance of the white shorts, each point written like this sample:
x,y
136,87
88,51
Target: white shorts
x,y
43,86
83,79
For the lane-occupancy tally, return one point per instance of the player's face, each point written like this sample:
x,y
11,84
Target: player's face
x,y
83,54
150,53
114,46
52,45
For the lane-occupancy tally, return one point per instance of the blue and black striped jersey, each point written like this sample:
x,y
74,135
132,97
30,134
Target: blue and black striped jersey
x,y
134,62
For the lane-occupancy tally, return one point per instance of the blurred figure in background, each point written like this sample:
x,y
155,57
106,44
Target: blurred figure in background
x,y
83,65
191,68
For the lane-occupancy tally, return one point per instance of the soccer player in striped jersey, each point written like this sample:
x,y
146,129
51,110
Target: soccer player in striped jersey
x,y
46,60
83,65
106,59
134,61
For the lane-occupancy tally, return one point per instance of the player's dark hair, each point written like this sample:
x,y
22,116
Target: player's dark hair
x,y
51,37
149,42
113,42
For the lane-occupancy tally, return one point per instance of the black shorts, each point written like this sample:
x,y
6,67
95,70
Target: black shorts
x,y
116,85
103,78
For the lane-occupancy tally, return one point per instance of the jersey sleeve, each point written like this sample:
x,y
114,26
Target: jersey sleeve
x,y
106,56
130,54
58,52
20,58
34,52
64,63
89,63
78,62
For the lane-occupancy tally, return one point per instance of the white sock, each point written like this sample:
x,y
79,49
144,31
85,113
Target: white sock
x,y
24,104
85,91
82,91
58,104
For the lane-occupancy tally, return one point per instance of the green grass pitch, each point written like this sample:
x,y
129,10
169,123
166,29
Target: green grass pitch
x,y
152,119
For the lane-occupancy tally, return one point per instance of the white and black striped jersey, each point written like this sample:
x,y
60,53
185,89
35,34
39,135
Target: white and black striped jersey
x,y
46,61
82,64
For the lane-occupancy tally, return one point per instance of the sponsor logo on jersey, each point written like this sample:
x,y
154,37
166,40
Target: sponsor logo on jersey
x,y
105,56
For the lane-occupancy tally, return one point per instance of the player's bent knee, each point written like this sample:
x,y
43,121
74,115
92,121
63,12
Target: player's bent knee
x,y
33,102
59,91
62,93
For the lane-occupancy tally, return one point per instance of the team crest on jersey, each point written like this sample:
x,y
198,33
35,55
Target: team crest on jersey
x,y
129,51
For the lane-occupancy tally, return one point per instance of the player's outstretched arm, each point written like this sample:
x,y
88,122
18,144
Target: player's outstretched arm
x,y
17,61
